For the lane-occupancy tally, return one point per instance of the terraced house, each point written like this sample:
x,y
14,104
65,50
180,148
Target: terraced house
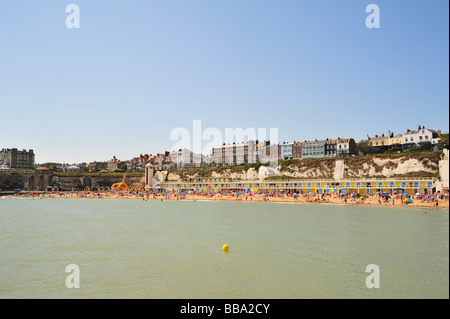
x,y
21,160
285,150
267,152
234,154
313,149
384,142
421,136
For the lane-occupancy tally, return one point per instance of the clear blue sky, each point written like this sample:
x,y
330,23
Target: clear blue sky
x,y
137,69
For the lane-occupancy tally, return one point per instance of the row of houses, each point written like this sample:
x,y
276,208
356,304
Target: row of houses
x,y
411,139
263,152
232,154
60,167
182,158
160,161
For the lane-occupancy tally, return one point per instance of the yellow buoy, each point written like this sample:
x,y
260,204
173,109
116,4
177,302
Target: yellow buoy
x,y
225,248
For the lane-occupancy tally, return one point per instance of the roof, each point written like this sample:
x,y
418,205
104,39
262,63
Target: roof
x,y
319,141
377,138
42,168
416,132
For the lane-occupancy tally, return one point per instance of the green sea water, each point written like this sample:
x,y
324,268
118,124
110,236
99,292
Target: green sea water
x,y
170,249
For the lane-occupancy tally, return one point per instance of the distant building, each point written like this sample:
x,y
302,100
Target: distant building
x,y
234,154
267,152
167,164
346,147
421,136
56,167
385,142
340,147
73,169
285,150
297,150
182,158
113,164
163,162
313,149
138,163
328,148
21,160
96,166
202,160
217,156
331,148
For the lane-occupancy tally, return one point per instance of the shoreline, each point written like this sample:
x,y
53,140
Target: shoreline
x,y
332,201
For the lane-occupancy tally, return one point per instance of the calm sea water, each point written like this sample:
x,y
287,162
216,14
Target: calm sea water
x,y
137,249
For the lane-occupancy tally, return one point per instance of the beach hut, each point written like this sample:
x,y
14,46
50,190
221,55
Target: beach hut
x,y
399,190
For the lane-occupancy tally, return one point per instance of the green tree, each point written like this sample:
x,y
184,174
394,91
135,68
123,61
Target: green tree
x,y
443,141
364,147
427,146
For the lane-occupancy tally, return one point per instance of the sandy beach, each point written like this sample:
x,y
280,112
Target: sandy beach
x,y
367,200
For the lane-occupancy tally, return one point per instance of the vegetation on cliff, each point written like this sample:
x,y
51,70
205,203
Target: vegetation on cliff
x,y
364,166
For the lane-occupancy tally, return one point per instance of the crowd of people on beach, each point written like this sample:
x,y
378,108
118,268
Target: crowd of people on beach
x,y
353,198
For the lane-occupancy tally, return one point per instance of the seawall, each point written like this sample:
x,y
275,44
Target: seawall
x,y
41,181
